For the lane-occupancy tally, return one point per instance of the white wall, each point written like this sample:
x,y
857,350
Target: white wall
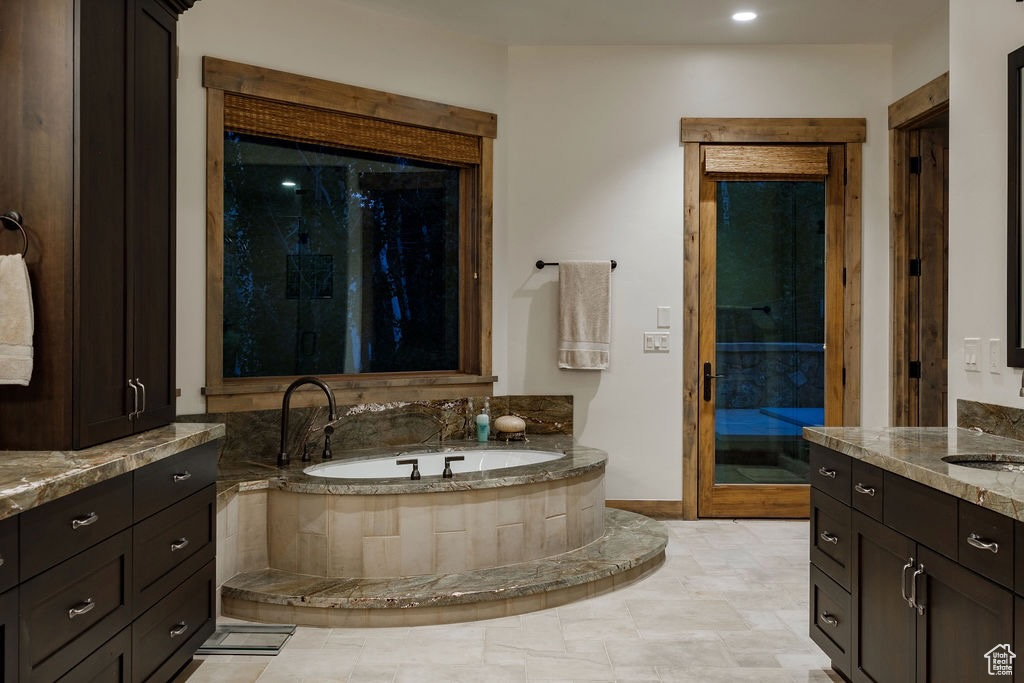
x,y
920,55
596,171
981,35
330,40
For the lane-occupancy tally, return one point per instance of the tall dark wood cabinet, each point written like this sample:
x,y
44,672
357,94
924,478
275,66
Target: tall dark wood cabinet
x,y
87,134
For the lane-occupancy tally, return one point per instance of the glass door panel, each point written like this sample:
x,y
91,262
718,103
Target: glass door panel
x,y
769,370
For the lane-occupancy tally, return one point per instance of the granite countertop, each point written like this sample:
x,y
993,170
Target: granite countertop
x,y
251,473
917,453
30,478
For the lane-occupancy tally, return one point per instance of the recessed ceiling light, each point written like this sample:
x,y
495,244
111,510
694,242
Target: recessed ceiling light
x,y
744,16
288,183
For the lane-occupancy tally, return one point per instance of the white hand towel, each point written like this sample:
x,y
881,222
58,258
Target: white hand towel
x,y
17,321
584,314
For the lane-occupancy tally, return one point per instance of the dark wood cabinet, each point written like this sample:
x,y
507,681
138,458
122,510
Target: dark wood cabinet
x,y
930,583
87,133
116,581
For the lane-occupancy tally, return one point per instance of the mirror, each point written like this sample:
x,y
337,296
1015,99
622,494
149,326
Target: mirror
x,y
1014,194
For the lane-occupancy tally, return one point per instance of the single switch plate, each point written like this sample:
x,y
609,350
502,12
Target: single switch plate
x,y
664,317
995,356
972,351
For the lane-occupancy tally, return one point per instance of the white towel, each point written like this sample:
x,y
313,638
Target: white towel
x,y
584,314
17,322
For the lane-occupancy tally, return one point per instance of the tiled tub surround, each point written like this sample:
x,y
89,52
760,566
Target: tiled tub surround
x,y
917,453
310,550
30,478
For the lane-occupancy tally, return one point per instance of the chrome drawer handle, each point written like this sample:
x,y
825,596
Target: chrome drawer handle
x,y
178,629
179,544
829,538
829,619
184,476
976,541
81,608
913,589
866,490
1,561
90,518
826,472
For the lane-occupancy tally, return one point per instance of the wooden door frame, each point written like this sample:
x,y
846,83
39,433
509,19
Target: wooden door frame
x,y
695,132
906,114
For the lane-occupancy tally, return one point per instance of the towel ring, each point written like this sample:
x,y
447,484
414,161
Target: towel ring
x,y
12,220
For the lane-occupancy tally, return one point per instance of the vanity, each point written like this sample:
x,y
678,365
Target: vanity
x,y
107,557
912,546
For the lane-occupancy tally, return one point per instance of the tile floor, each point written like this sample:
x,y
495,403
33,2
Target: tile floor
x,y
729,604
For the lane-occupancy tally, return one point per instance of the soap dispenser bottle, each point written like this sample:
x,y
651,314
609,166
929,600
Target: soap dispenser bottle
x,y
483,422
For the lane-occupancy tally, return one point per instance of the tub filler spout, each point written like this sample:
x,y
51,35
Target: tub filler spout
x,y
282,456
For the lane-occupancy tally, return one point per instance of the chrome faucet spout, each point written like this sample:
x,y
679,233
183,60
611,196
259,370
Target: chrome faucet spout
x,y
282,456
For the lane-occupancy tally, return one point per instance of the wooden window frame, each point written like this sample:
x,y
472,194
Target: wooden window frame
x,y
696,133
465,138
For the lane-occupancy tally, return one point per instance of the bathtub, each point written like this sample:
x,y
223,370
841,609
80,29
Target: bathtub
x,y
431,463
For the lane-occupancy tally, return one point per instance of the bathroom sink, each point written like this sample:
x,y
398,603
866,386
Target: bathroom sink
x,y
996,463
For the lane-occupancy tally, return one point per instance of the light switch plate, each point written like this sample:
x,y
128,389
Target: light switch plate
x,y
972,354
995,356
664,317
656,342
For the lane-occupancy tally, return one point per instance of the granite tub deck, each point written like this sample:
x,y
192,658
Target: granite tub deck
x,y
917,453
391,552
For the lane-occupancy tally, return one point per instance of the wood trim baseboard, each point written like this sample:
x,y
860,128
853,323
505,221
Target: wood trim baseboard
x,y
656,509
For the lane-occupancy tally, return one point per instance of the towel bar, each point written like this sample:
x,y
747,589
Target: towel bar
x,y
540,263
12,220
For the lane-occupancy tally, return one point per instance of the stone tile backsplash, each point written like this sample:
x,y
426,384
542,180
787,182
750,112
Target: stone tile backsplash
x,y
257,434
990,418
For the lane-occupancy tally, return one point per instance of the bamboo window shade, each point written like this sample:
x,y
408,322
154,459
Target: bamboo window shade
x,y
301,123
791,160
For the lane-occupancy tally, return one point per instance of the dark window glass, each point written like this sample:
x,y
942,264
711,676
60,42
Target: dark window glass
x,y
337,261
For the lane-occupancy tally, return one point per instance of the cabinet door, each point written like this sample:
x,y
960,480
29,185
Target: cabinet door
x,y
9,635
883,623
151,198
101,286
965,617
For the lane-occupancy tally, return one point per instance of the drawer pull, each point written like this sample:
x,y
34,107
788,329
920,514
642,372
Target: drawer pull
x,y
1,560
90,518
829,538
829,619
183,476
826,472
866,490
976,541
179,544
913,589
179,629
81,608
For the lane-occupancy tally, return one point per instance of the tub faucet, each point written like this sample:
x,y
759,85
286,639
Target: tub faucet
x,y
282,456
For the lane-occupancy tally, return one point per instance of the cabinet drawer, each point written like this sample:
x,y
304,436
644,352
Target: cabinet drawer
x,y
53,532
165,482
868,488
8,553
164,638
830,537
112,663
172,545
924,514
986,542
830,472
70,610
829,619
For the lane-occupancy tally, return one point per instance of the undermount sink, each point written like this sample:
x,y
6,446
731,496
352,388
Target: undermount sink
x,y
995,463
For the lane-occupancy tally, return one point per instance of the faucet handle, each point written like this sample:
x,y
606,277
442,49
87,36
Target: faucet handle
x,y
307,450
415,462
448,460
327,455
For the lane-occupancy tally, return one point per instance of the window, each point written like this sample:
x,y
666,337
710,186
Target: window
x,y
348,238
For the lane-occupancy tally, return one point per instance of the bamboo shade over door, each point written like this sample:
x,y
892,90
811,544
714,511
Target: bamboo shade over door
x,y
770,322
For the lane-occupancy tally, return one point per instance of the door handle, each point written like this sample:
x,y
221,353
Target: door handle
x,y
707,381
903,582
135,400
913,589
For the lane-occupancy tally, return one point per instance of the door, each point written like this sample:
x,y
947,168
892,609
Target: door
x,y
771,308
883,621
948,650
